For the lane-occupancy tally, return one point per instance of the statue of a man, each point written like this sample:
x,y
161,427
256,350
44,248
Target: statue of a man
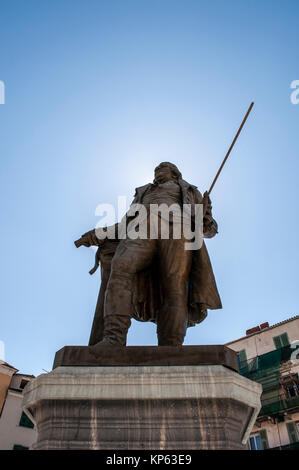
x,y
155,279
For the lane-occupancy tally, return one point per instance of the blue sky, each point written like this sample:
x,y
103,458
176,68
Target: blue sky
x,y
97,94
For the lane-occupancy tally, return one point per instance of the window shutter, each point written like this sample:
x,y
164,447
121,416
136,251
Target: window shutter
x,y
18,447
281,341
25,421
277,342
292,432
264,439
285,339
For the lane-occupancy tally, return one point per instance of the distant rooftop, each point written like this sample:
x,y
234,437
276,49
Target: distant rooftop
x,y
26,375
260,329
3,363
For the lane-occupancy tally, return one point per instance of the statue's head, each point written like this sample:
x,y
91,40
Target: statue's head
x,y
166,171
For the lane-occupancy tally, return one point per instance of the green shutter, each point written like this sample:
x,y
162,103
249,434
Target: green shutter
x,y
18,447
285,339
281,341
292,432
277,342
264,439
25,421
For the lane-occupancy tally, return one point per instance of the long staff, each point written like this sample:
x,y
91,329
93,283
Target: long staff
x,y
229,150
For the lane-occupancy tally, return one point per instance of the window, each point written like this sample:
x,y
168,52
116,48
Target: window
x,y
292,432
18,447
25,421
259,441
23,384
292,390
255,442
290,385
281,341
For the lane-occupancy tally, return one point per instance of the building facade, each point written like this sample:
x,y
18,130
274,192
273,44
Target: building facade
x,y
270,356
17,432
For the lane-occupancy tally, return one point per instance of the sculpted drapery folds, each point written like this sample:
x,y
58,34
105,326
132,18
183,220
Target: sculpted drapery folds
x,y
156,279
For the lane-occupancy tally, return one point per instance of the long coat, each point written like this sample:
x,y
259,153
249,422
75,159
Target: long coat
x,y
147,293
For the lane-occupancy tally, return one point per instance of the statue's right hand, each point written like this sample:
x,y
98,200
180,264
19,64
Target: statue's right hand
x,y
88,239
81,242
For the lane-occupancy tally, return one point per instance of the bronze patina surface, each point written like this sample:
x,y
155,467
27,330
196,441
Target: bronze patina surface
x,y
155,279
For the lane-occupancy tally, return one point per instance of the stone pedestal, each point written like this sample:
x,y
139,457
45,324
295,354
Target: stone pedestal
x,y
142,407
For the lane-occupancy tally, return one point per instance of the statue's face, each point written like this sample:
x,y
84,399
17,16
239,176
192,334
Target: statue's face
x,y
163,173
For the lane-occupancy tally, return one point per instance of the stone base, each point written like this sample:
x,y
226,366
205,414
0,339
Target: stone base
x,y
142,407
212,354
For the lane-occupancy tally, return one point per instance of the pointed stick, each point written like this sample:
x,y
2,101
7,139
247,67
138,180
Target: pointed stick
x,y
229,150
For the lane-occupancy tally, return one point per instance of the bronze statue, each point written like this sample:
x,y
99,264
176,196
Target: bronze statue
x,y
154,279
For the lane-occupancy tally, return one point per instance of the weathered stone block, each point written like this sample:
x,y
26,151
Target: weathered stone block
x,y
142,407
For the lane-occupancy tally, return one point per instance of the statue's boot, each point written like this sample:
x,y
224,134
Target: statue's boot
x,y
117,318
115,330
173,315
104,342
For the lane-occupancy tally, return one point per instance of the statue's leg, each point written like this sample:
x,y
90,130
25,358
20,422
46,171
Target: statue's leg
x,y
175,265
97,329
130,257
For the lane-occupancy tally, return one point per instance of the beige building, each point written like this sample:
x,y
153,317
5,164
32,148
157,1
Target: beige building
x,y
268,355
17,432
